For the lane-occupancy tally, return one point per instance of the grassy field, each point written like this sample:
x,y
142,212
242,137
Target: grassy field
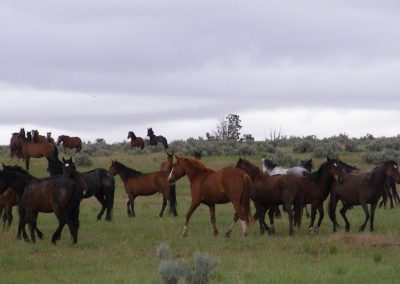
x,y
124,251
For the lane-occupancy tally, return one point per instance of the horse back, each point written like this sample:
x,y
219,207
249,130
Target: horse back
x,y
147,184
96,180
38,150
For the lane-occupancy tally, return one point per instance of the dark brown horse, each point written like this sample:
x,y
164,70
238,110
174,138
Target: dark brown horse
x,y
135,141
167,166
60,195
37,138
362,188
155,139
316,188
49,138
197,155
268,191
35,150
98,183
8,200
140,184
212,187
70,142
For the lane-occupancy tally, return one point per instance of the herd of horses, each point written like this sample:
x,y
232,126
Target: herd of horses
x,y
267,187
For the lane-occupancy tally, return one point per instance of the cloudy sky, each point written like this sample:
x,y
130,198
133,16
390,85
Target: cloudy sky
x,y
101,68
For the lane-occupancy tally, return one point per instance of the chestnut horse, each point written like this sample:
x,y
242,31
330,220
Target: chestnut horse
x,y
135,141
167,166
140,184
362,188
70,142
154,140
60,195
212,187
35,150
268,191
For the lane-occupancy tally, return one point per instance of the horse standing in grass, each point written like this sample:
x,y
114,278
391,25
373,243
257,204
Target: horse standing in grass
x,y
212,187
60,195
35,150
268,191
37,138
15,145
98,183
135,141
362,188
155,139
140,184
70,142
167,166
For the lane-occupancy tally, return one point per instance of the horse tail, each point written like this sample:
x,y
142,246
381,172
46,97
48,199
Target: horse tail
x,y
298,204
172,198
165,143
73,204
246,199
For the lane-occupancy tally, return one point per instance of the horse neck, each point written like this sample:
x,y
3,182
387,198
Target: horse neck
x,y
195,172
378,177
255,172
125,173
322,179
19,181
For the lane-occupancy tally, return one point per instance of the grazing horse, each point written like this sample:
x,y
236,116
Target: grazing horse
x,y
135,141
70,142
98,183
362,188
268,191
167,166
274,169
140,184
35,150
154,140
60,195
36,138
212,187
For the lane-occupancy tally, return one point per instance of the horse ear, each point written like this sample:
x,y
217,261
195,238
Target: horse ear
x,y
63,159
1,166
327,158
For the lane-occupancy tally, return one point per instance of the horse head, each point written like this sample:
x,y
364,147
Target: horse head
x,y
334,169
268,165
150,132
68,167
392,170
178,170
131,134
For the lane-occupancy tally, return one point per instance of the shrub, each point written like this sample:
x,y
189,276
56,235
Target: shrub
x,y
330,149
83,160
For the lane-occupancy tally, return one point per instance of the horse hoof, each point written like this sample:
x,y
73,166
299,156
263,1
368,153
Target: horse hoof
x,y
227,235
347,229
361,229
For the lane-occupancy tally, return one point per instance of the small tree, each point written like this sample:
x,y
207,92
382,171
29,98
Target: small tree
x,y
228,128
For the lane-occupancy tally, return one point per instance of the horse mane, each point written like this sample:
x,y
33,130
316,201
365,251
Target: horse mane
x,y
17,168
198,165
317,174
129,172
254,168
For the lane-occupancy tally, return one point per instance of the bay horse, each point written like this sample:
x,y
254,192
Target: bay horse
x,y
37,138
60,195
362,188
15,146
212,187
35,150
141,184
135,141
269,191
70,142
98,183
167,166
154,140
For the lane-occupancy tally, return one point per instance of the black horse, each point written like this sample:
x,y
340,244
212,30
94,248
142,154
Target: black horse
x,y
154,140
97,182
60,195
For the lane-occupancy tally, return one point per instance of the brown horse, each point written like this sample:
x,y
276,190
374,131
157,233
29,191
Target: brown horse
x,y
268,191
49,138
155,139
362,188
140,184
212,187
35,150
135,141
70,142
167,166
15,146
37,138
8,200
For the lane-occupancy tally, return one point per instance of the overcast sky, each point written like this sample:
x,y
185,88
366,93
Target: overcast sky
x,y
98,69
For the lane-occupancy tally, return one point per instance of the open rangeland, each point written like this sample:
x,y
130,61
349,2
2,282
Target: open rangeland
x,y
124,250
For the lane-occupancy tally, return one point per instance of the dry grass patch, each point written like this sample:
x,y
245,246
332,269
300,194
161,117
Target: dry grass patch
x,y
366,239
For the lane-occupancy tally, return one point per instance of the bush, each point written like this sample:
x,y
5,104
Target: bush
x,y
83,160
331,149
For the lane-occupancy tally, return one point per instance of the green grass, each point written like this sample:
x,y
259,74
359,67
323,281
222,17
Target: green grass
x,y
124,251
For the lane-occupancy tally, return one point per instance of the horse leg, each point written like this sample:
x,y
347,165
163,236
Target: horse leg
x,y
343,213
130,205
307,213
321,214
365,207
229,231
313,214
62,218
213,219
38,232
100,197
271,213
277,212
373,207
172,199
240,214
21,224
289,210
189,213
27,158
391,201
332,210
109,197
164,204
